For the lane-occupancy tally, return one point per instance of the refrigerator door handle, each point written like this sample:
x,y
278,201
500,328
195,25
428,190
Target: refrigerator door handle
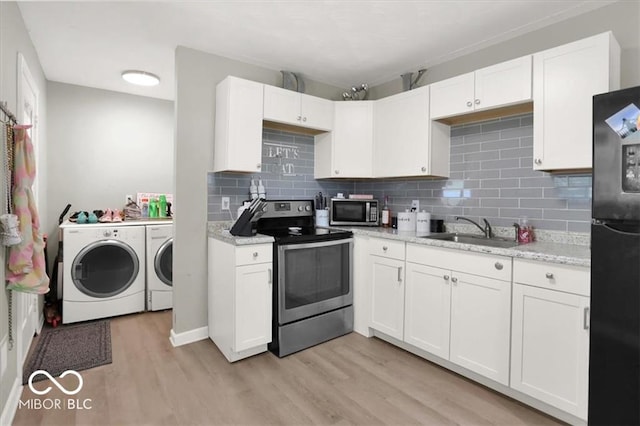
x,y
619,231
585,318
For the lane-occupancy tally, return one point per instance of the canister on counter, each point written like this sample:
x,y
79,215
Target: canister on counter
x,y
423,223
407,221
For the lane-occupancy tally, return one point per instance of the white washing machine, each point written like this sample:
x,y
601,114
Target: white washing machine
x,y
159,267
104,271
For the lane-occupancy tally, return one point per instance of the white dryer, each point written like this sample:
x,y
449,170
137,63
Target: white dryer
x,y
104,271
159,267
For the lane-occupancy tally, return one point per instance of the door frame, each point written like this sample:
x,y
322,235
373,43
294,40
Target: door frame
x,y
26,314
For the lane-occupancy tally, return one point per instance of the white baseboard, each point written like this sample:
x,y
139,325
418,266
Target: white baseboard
x,y
184,338
9,411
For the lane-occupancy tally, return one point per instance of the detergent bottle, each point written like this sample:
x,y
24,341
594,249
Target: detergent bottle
x,y
162,206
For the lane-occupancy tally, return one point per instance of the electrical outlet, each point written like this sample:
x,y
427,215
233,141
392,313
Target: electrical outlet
x,y
225,203
415,204
127,197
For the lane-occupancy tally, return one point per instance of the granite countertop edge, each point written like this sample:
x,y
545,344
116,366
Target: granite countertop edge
x,y
220,231
565,254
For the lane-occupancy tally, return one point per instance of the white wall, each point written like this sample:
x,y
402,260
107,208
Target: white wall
x,y
197,74
104,145
14,39
622,18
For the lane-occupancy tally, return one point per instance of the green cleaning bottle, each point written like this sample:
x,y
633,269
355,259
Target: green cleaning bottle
x,y
162,206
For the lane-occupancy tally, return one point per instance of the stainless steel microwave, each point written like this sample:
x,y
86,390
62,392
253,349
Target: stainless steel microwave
x,y
345,211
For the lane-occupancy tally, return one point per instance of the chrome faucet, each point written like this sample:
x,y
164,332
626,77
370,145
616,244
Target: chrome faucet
x,y
487,231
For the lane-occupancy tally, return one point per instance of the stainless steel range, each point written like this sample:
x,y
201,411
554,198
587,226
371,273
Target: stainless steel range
x,y
313,295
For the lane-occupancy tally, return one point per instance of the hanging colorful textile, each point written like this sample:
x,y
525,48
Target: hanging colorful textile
x,y
26,270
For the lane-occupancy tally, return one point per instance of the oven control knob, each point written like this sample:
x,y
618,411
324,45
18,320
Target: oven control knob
x,y
308,208
107,233
300,208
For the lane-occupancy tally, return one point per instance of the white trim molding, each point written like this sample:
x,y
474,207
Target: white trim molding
x,y
184,338
10,408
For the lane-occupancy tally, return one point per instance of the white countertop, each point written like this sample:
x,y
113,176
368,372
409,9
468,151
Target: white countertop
x,y
163,221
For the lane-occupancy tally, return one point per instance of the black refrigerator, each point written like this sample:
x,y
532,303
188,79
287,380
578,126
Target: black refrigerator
x,y
614,352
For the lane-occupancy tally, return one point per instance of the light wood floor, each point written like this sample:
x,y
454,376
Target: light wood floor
x,y
349,380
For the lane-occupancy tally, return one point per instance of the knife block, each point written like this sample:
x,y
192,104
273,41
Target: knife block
x,y
244,227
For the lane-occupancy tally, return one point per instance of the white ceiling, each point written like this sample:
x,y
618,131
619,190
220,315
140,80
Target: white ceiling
x,y
89,43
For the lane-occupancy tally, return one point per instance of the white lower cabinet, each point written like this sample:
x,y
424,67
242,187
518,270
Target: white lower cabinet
x,y
386,269
387,295
240,298
461,317
428,309
480,329
550,341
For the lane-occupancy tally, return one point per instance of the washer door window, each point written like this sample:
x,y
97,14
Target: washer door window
x,y
164,262
105,268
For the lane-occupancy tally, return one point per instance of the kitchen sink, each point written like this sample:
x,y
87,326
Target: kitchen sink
x,y
479,240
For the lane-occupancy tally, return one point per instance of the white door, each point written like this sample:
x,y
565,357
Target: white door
x,y
26,305
565,79
428,309
387,296
452,96
480,325
316,113
550,347
352,151
281,105
401,134
253,306
507,83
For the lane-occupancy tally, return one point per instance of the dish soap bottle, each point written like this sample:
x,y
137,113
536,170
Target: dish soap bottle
x,y
262,193
386,213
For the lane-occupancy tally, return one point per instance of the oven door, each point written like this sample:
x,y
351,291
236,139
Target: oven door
x,y
314,278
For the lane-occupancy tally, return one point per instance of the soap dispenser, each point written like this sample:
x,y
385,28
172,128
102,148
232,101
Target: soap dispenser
x,y
262,194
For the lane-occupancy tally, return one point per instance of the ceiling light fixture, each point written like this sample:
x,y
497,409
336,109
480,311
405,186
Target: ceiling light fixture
x,y
141,78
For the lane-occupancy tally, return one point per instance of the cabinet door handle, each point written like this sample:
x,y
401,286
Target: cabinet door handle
x,y
549,275
424,169
454,280
537,161
585,318
498,266
304,118
255,254
337,172
400,274
299,118
469,104
270,272
258,166
446,277
477,101
384,248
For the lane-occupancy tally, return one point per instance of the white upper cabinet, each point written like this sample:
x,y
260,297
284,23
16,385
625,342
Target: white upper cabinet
x,y
347,151
500,85
565,79
238,126
289,107
405,141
